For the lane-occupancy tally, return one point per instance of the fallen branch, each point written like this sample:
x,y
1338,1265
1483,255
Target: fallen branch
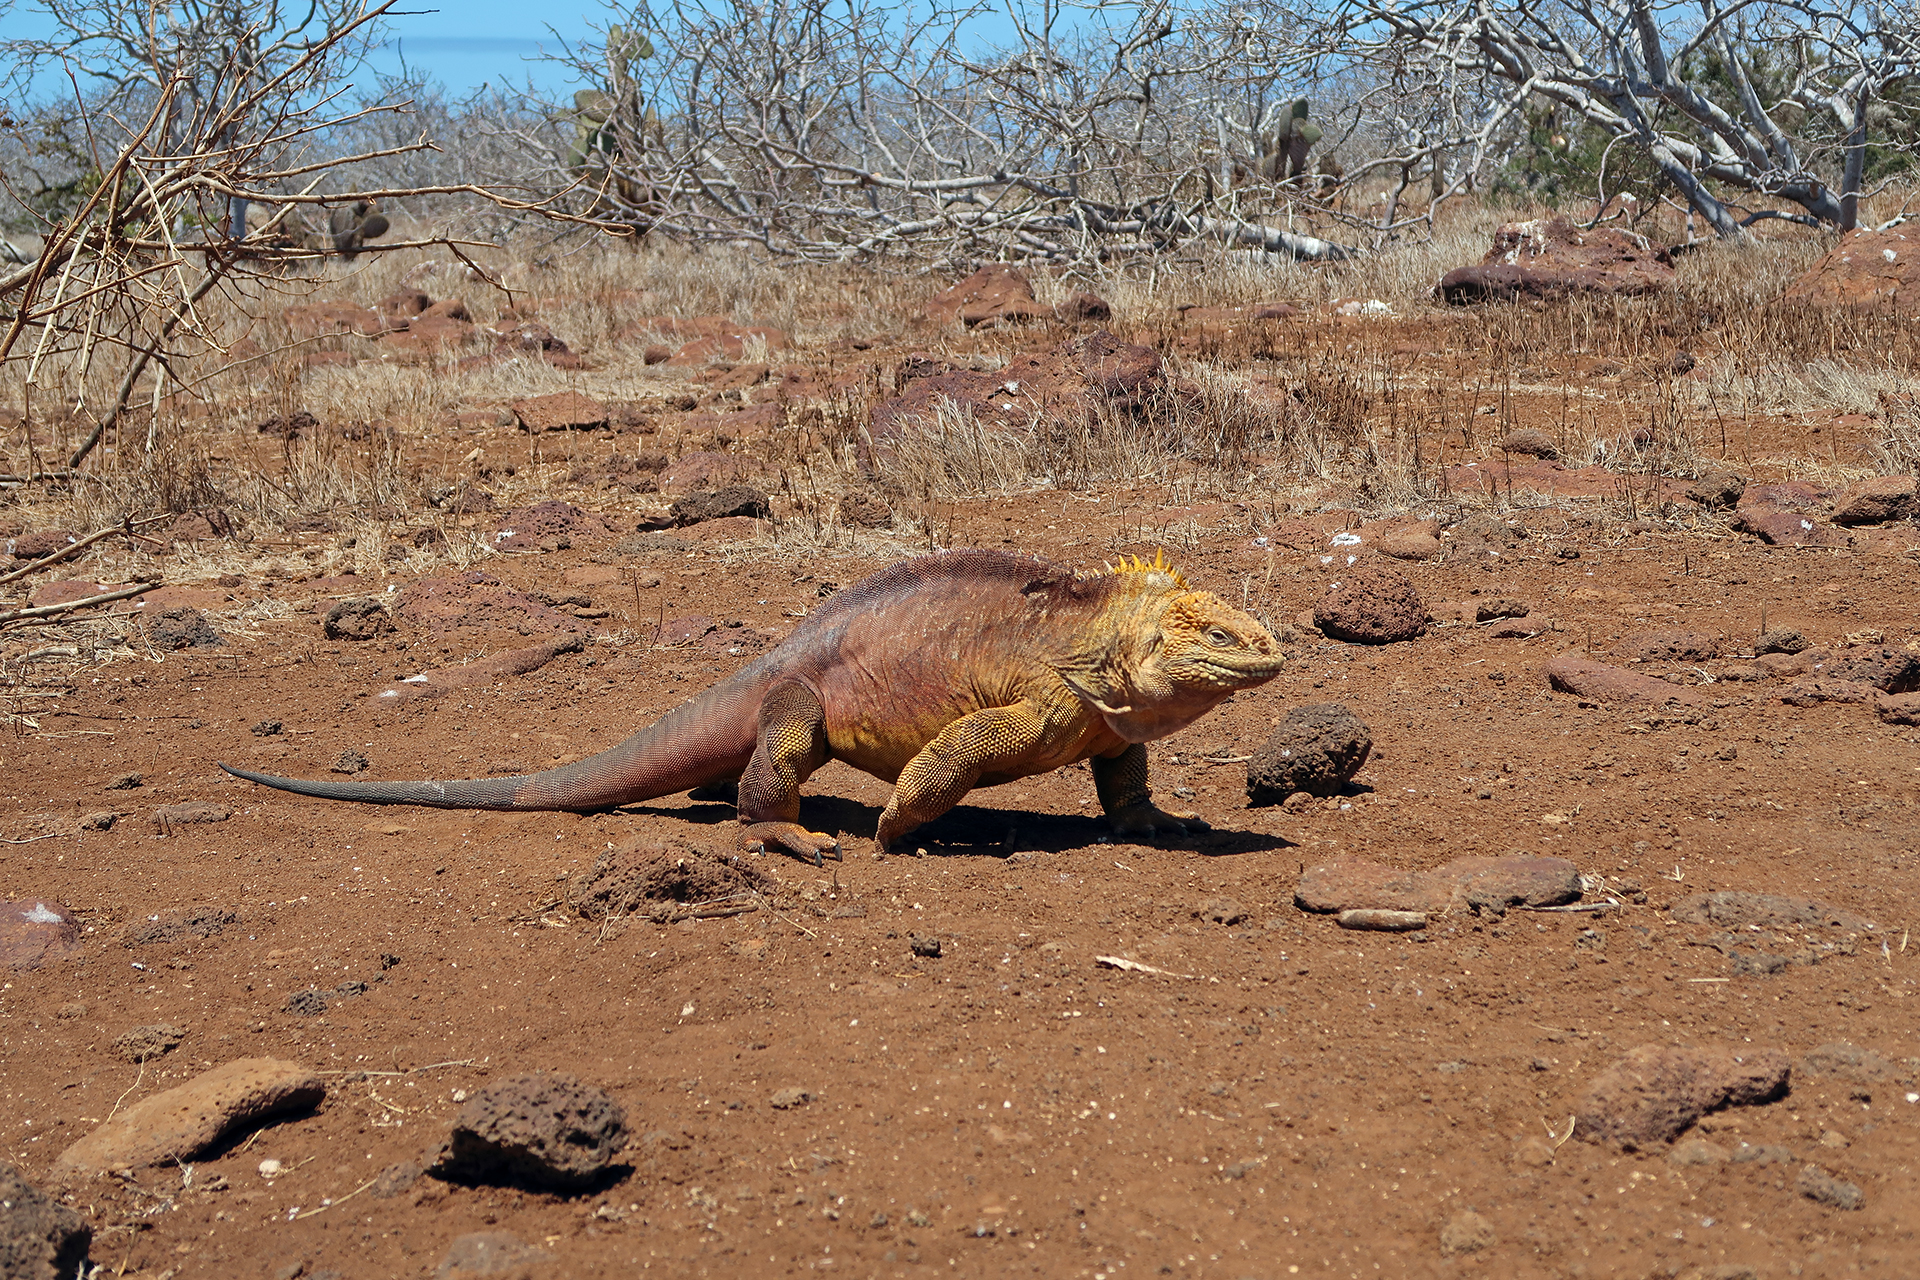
x,y
53,610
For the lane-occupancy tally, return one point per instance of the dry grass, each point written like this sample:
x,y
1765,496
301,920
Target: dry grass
x,y
1349,413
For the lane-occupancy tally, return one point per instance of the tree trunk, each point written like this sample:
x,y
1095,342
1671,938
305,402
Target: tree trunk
x,y
1855,169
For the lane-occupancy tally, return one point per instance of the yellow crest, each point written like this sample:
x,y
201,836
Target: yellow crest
x,y
1159,564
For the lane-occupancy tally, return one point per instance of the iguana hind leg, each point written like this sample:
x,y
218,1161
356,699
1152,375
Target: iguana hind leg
x,y
992,741
793,743
1121,783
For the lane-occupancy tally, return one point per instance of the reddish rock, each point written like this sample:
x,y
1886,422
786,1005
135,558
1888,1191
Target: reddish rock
x,y
997,291
1070,382
358,618
1230,316
1878,500
1898,708
318,319
477,600
1655,1093
184,1122
1419,542
1888,670
705,469
732,345
1672,646
1868,271
1548,258
535,527
1464,883
1808,693
1533,442
38,546
562,411
447,309
34,931
1788,529
726,529
1600,682
1084,308
205,525
402,304
65,591
1371,604
733,500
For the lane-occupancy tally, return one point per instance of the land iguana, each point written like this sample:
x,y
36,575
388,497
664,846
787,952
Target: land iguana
x,y
940,674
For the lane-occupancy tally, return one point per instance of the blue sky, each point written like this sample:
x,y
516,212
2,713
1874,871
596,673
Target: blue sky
x,y
461,43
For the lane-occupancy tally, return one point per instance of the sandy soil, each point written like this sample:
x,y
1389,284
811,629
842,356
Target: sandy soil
x,y
1286,1099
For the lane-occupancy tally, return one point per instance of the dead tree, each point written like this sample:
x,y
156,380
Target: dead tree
x,y
1771,98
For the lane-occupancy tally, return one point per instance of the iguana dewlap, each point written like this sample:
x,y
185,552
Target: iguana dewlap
x,y
943,673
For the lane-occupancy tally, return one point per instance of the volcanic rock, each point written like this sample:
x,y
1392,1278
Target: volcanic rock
x,y
562,411
543,1131
184,1122
1491,884
40,1238
1600,682
1878,500
1548,258
362,618
1655,1092
734,500
1868,271
1316,749
1371,604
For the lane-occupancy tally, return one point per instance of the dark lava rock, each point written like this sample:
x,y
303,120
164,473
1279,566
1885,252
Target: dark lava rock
x,y
648,877
1533,442
542,1131
364,618
1888,670
733,500
1493,610
865,511
1821,1187
126,782
183,628
34,931
1717,490
351,761
268,728
144,1044
1655,1092
1781,640
1084,308
927,948
1731,908
40,1239
195,923
1316,749
308,1003
1371,604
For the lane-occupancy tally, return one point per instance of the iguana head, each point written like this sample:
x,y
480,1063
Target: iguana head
x,y
1162,654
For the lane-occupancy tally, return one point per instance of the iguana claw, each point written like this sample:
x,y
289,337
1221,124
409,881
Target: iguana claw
x,y
1149,819
792,837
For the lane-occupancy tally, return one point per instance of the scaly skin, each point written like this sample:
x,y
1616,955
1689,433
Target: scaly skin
x,y
940,674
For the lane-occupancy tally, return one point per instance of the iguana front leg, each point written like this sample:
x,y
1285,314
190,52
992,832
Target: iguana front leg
x,y
1121,783
793,743
996,740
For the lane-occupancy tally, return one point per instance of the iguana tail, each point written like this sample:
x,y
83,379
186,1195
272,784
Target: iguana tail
x,y
706,740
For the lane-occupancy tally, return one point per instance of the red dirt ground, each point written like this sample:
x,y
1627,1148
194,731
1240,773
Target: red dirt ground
x,y
1297,1101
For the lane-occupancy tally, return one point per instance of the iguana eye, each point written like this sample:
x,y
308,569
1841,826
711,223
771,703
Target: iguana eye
x,y
1219,638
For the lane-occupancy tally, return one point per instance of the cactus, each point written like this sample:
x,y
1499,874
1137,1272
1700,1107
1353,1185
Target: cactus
x,y
601,117
1293,137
